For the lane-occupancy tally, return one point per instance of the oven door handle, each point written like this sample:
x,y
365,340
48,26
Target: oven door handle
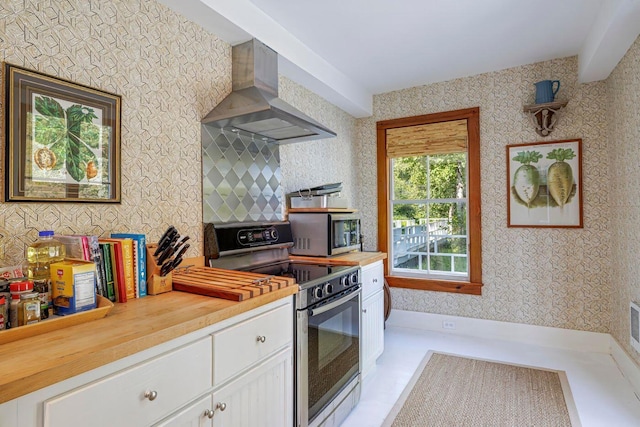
x,y
333,304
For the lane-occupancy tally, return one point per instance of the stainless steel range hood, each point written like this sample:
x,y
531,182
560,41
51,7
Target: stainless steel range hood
x,y
253,105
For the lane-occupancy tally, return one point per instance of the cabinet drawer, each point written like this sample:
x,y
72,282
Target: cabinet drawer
x,y
372,279
119,399
240,346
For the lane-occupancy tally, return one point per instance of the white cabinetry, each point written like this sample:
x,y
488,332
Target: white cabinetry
x,y
243,345
193,415
234,373
262,396
372,315
252,376
9,414
136,396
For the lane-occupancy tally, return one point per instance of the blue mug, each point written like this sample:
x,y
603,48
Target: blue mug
x,y
545,92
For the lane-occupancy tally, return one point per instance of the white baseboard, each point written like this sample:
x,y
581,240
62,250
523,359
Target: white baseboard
x,y
492,329
627,366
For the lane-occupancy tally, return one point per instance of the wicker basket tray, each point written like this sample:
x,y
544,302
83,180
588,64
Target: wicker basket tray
x,y
55,323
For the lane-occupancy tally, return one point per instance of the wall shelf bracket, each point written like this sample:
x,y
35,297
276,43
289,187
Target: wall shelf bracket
x,y
544,116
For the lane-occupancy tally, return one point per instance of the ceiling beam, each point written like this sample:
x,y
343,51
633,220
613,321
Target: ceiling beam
x,y
614,31
236,21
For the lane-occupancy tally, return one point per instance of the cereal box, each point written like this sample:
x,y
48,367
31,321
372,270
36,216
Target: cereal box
x,y
73,286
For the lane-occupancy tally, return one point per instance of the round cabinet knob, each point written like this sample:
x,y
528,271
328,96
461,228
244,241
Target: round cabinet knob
x,y
260,338
151,394
375,280
222,406
364,310
209,413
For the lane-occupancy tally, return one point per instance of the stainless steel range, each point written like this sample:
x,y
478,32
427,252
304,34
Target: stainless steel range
x,y
327,315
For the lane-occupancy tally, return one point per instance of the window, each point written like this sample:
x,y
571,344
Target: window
x,y
429,201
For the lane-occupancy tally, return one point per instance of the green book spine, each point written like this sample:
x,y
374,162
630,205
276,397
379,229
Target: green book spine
x,y
105,248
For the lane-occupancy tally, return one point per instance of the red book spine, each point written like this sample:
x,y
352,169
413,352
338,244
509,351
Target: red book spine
x,y
122,287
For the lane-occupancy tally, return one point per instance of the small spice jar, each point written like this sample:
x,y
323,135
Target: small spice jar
x,y
3,313
28,309
17,288
6,295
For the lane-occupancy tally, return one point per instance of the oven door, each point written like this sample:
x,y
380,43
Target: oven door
x,y
328,347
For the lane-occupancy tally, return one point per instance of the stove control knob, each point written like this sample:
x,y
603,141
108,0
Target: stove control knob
x,y
317,292
344,281
328,288
353,278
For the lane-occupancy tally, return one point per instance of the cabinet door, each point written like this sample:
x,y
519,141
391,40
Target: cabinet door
x,y
194,415
372,330
263,396
9,414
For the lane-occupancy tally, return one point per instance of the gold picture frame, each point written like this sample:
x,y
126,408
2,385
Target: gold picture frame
x,y
544,184
62,140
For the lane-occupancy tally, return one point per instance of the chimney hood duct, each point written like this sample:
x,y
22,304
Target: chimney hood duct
x,y
253,105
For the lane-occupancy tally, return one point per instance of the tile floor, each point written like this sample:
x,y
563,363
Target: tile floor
x,y
603,397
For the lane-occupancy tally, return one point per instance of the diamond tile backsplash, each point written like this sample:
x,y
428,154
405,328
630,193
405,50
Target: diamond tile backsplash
x,y
240,178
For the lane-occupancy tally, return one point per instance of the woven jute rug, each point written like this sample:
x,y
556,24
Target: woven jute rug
x,y
453,391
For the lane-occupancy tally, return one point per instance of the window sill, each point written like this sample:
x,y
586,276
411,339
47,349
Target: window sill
x,y
469,288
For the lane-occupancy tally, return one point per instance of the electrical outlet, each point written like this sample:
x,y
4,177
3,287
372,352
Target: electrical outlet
x,y
448,324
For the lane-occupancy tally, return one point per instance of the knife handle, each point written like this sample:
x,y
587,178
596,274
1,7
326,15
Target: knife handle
x,y
165,255
168,232
182,250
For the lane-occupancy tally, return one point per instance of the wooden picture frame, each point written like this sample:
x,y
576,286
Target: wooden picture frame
x,y
62,140
544,184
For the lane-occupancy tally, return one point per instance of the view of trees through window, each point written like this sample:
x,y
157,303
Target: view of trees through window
x,y
429,208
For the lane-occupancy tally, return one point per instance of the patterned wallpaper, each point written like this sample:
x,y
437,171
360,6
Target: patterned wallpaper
x,y
623,90
324,161
550,277
169,72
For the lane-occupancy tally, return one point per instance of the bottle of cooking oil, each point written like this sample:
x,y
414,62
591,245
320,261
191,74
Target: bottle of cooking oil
x,y
40,255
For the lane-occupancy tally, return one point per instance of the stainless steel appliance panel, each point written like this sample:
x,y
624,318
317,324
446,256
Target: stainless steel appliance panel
x,y
324,234
328,352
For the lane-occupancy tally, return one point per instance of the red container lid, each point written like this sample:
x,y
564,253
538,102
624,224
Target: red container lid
x,y
23,286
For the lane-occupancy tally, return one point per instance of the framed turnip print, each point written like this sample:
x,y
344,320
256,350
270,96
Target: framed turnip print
x,y
545,184
62,140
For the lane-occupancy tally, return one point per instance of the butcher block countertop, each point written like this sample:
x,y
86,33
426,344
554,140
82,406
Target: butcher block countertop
x,y
351,258
32,363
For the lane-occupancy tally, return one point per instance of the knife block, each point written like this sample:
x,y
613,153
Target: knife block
x,y
156,284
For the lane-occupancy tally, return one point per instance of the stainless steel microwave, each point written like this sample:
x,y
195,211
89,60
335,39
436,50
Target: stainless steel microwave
x,y
324,233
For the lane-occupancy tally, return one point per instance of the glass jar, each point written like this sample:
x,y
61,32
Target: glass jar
x,y
28,309
17,288
3,313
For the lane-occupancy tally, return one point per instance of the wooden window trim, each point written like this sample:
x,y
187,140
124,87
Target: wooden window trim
x,y
474,285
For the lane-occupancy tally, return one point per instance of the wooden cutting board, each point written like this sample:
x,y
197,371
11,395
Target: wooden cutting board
x,y
227,284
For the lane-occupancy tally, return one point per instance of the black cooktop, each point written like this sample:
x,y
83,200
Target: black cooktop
x,y
304,273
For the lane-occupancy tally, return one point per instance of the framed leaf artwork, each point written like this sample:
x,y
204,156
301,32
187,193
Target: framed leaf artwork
x,y
544,184
62,140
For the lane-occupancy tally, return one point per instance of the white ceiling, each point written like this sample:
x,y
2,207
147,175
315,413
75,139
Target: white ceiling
x,y
349,50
